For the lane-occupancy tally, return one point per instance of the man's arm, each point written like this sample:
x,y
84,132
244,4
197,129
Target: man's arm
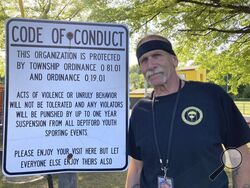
x,y
134,173
241,177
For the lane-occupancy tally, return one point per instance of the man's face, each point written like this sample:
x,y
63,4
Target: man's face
x,y
158,66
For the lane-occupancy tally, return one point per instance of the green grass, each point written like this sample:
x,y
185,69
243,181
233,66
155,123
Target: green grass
x,y
84,180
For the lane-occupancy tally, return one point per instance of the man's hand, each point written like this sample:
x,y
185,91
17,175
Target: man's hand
x,y
241,177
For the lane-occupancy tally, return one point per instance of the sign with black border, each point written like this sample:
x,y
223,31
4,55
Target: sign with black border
x,y
66,97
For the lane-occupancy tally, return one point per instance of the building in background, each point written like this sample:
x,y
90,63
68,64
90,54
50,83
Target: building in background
x,y
192,73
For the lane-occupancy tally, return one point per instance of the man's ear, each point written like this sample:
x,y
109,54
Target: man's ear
x,y
175,60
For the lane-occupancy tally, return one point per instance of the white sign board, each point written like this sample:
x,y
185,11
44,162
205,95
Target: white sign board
x,y
66,106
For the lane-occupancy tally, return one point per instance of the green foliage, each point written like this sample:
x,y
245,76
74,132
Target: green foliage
x,y
136,78
44,9
246,92
214,34
2,68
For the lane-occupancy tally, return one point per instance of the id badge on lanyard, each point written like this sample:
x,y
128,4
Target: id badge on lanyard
x,y
166,182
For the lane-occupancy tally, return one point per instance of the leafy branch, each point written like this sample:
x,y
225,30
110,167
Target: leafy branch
x,y
217,4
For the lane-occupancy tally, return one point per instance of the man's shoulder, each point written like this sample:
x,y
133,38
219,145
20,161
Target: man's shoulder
x,y
143,104
204,86
143,101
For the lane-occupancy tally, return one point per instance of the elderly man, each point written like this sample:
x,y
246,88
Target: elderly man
x,y
178,134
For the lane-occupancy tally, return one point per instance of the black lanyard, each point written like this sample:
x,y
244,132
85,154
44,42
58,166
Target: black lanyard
x,y
166,167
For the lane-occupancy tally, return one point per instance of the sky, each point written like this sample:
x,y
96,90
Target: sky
x,y
132,59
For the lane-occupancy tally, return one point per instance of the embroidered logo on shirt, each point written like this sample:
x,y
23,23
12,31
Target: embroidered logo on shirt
x,y
192,115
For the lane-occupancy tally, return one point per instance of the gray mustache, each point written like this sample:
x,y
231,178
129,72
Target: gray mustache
x,y
150,73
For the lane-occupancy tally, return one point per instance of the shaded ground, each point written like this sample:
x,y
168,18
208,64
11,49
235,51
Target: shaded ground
x,y
85,180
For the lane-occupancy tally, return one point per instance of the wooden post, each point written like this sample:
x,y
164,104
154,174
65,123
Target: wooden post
x,y
67,180
50,181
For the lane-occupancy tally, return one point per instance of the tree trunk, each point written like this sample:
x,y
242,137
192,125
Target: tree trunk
x,y
20,2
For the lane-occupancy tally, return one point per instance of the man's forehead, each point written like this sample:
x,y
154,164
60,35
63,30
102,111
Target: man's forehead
x,y
151,52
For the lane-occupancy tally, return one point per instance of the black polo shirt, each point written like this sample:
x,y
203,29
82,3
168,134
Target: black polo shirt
x,y
206,118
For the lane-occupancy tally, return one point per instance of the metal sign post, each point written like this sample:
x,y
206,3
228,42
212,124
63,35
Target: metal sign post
x,y
66,107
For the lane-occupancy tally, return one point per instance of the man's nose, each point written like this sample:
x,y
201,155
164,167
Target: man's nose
x,y
151,63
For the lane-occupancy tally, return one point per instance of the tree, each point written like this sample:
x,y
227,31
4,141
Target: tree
x,y
43,9
213,33
136,78
246,92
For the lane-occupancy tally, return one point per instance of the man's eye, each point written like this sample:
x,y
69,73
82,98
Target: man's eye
x,y
143,61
